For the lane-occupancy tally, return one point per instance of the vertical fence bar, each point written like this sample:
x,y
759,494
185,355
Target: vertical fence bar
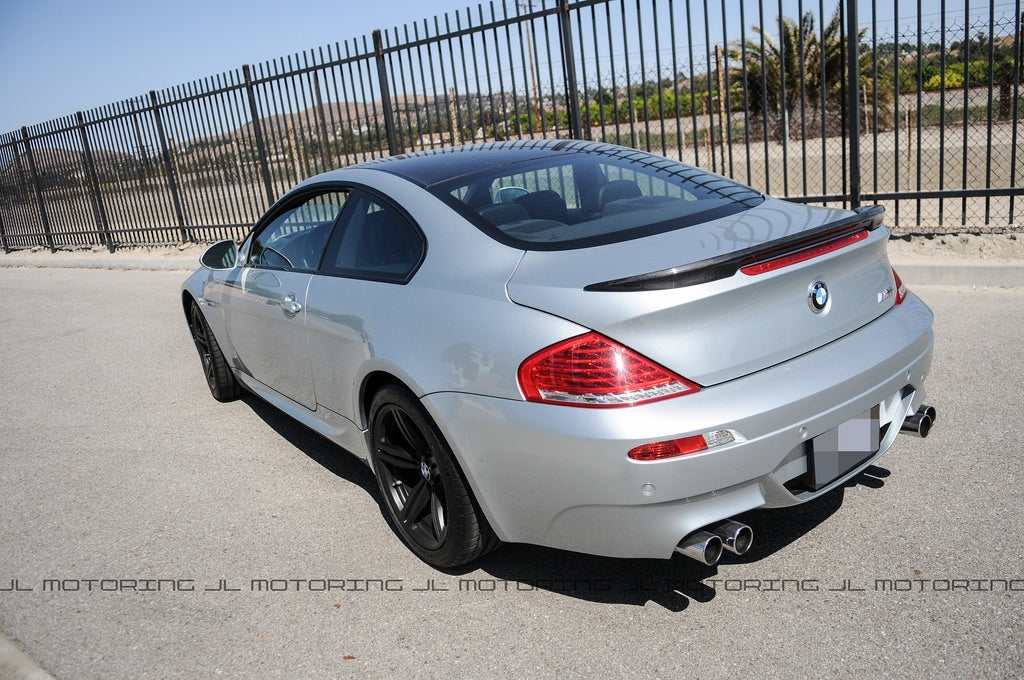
x,y
40,204
764,104
644,94
991,90
322,120
3,236
572,94
783,95
385,93
920,103
99,212
942,110
711,83
746,92
551,72
853,100
967,109
1018,67
165,152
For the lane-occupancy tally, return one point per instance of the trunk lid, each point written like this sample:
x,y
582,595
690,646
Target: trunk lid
x,y
681,298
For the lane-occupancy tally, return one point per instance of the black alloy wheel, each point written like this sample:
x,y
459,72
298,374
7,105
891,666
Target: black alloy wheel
x,y
429,502
222,382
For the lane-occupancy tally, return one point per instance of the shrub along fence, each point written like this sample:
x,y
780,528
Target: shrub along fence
x,y
841,106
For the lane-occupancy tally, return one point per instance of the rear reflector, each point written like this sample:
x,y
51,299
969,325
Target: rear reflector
x,y
669,449
681,447
901,288
803,255
592,370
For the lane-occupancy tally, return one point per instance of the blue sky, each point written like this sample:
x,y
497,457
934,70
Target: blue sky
x,y
62,56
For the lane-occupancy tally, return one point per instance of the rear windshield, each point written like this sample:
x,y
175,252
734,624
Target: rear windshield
x,y
579,200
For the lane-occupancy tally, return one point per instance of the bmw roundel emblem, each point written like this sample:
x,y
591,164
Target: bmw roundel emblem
x,y
818,297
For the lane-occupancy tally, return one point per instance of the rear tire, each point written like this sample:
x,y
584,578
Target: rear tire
x,y
220,379
429,504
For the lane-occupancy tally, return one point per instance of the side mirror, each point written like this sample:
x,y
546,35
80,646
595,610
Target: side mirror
x,y
221,255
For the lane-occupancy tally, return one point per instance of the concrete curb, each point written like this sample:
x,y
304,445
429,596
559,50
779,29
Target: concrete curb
x,y
85,262
16,665
959,273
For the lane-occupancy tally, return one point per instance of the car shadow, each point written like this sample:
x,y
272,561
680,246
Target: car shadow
x,y
324,452
674,583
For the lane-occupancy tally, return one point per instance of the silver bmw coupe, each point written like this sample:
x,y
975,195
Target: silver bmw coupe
x,y
569,344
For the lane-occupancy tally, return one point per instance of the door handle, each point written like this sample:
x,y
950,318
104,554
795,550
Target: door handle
x,y
290,305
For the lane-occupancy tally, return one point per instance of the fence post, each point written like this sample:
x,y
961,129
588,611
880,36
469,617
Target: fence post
x,y
853,100
39,191
322,119
168,166
3,235
257,130
569,62
385,94
98,211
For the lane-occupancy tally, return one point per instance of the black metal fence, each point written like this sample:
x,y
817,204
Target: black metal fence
x,y
836,105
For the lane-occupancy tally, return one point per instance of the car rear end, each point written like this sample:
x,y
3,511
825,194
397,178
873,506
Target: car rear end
x,y
748,358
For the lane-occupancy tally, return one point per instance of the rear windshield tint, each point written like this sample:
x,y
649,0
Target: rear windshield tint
x,y
581,199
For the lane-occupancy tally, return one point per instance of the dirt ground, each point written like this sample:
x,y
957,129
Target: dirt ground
x,y
994,247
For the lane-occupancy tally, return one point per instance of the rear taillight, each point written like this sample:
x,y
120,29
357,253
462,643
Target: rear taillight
x,y
592,370
901,288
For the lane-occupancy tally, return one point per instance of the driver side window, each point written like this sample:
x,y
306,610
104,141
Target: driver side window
x,y
296,238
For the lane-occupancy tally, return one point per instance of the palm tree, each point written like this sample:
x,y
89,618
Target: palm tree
x,y
804,71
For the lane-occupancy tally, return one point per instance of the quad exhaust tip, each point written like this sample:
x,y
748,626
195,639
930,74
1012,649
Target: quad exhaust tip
x,y
736,538
702,546
706,546
921,422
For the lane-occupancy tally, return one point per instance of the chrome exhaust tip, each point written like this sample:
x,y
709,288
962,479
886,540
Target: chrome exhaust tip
x,y
921,422
702,546
736,538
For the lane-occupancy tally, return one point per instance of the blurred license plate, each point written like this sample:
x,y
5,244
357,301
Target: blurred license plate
x,y
839,450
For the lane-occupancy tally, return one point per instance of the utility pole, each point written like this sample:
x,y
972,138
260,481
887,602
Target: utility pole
x,y
528,6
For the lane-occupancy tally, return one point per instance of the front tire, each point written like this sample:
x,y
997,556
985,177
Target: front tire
x,y
429,503
222,382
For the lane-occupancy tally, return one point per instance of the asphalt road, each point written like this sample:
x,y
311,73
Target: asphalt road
x,y
147,531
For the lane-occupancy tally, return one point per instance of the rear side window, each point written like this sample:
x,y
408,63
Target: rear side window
x,y
579,200
374,241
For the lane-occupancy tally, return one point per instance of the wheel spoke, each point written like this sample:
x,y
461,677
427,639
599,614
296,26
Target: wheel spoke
x,y
418,499
199,334
409,432
437,516
396,455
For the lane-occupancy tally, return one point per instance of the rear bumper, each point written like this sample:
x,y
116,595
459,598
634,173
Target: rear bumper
x,y
560,476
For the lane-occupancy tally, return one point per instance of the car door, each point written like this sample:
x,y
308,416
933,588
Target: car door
x,y
266,312
375,250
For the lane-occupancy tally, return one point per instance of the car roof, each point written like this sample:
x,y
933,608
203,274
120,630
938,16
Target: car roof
x,y
435,166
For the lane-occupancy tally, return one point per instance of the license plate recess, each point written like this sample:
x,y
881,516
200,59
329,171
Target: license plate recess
x,y
834,453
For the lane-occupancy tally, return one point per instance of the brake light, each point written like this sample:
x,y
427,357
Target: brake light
x,y
901,288
804,255
594,371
